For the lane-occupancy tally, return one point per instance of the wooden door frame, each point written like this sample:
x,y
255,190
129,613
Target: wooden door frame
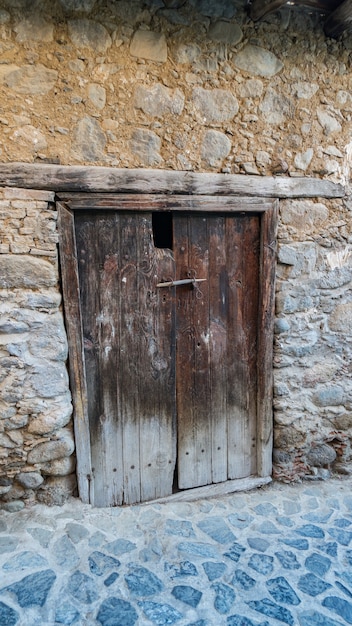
x,y
67,180
68,205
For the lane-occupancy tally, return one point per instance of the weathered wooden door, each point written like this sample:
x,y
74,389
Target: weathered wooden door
x,y
171,372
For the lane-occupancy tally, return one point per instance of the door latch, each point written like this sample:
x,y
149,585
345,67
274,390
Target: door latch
x,y
183,281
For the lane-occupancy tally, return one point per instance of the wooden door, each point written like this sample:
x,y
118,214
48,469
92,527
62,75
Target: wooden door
x,y
166,379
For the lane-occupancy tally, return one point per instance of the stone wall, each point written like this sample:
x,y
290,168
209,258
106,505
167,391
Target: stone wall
x,y
36,439
190,86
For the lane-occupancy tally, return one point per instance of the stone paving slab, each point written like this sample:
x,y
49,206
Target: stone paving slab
x,y
277,555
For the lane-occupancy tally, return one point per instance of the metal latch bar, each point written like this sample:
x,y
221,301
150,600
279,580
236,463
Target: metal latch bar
x,y
183,281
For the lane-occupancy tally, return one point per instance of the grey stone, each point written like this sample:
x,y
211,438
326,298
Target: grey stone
x,y
49,422
4,16
243,580
89,140
310,530
235,552
258,61
314,618
111,579
305,90
270,609
340,319
29,79
57,489
331,395
224,598
160,613
328,122
221,8
188,595
258,543
187,53
24,560
146,145
78,5
8,544
12,507
76,532
214,570
149,45
322,455
251,88
282,591
142,582
42,535
182,528
97,95
59,467
216,146
261,563
287,559
159,100
8,616
216,105
29,480
206,550
61,447
26,272
115,611
65,553
82,588
225,32
66,614
33,590
303,159
120,546
318,564
100,563
312,585
85,33
217,529
276,108
343,537
35,28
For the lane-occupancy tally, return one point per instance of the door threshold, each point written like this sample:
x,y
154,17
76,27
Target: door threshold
x,y
214,490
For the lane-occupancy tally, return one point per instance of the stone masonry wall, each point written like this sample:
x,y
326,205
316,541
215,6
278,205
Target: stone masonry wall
x,y
36,439
176,85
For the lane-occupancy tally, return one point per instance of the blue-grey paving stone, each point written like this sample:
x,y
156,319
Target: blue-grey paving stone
x,y
188,595
298,544
329,547
270,609
160,613
268,528
312,585
66,614
65,553
343,589
311,530
348,556
111,579
287,559
25,560
242,579
318,564
342,522
82,587
346,575
42,535
282,591
100,564
285,521
257,543
266,509
8,616
179,527
96,540
76,532
261,563
120,546
8,544
320,517
291,507
142,582
340,606
153,551
33,590
235,552
343,537
241,620
216,528
348,502
3,526
224,598
184,568
117,612
206,550
240,520
313,618
200,622
214,570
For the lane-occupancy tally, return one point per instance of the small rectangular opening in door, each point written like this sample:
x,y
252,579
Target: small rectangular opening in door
x,y
162,229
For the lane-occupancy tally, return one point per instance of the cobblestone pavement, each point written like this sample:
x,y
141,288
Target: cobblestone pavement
x,y
276,555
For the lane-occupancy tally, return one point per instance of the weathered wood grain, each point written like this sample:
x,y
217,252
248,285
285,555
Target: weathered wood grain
x,y
339,20
103,179
259,8
73,320
219,489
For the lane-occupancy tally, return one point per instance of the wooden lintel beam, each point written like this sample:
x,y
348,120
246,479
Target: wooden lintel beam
x,y
260,9
339,20
113,180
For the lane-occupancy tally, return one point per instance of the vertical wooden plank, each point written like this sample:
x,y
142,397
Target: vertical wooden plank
x,y
218,294
269,224
156,388
242,251
72,310
97,242
192,353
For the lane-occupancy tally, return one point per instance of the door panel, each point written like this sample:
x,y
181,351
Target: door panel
x,y
128,329
216,347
